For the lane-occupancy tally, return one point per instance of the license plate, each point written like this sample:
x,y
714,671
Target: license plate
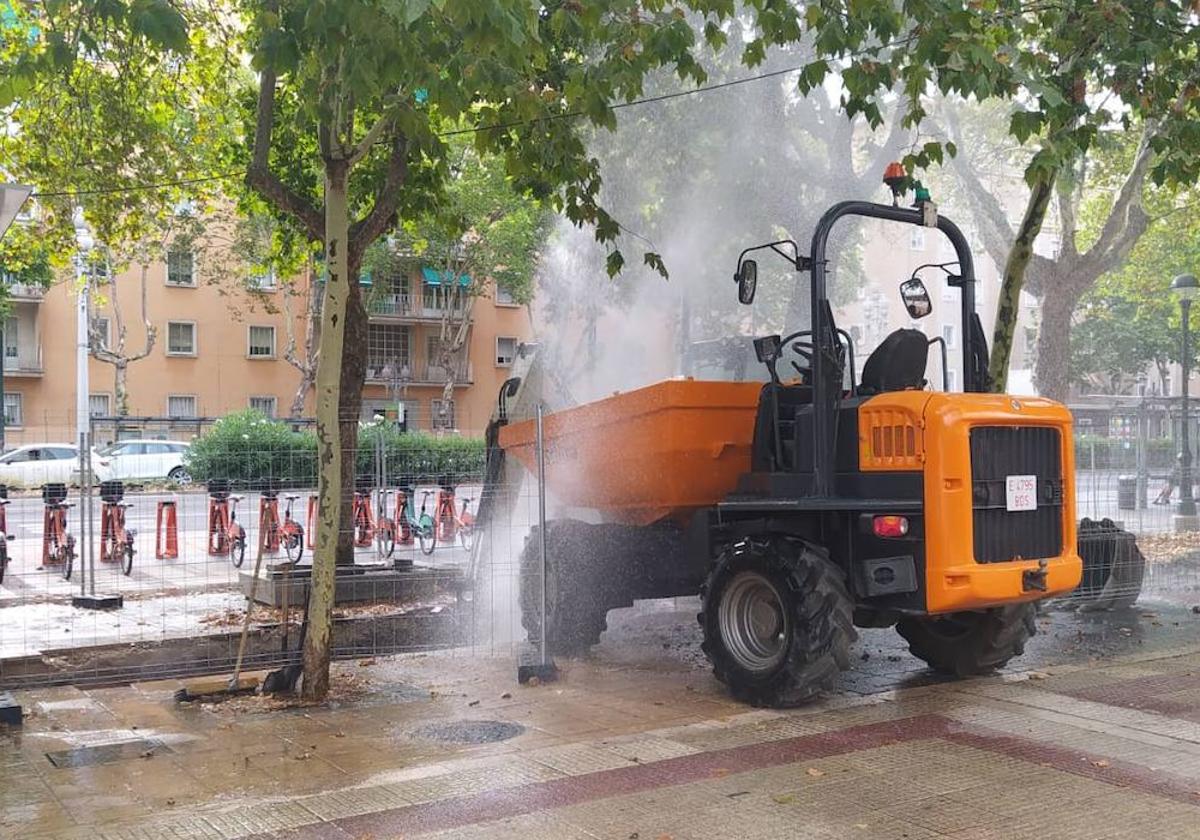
x,y
1021,492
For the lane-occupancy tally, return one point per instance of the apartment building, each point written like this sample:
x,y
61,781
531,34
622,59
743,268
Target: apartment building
x,y
219,346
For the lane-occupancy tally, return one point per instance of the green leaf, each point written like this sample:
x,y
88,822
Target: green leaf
x,y
614,263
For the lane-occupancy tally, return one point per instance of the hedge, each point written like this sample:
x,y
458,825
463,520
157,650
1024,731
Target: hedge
x,y
250,449
1112,453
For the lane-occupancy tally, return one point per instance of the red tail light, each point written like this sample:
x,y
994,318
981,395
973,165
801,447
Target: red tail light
x,y
890,526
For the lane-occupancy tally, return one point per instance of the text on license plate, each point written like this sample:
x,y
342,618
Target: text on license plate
x,y
1021,492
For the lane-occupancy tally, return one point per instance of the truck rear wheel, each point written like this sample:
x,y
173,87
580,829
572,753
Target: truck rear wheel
x,y
578,589
967,643
777,621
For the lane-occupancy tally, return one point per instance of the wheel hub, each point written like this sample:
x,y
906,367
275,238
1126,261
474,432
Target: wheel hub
x,y
753,622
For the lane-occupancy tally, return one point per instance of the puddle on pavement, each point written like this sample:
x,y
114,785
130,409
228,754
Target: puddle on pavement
x,y
470,731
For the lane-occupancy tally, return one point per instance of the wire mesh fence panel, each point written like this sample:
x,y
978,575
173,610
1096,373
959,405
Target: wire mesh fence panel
x,y
415,568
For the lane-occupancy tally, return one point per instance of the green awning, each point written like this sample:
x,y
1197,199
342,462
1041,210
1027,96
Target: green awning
x,y
433,277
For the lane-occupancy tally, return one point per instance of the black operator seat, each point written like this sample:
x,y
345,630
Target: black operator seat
x,y
897,364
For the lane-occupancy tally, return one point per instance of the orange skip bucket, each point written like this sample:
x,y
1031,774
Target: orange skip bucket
x,y
654,453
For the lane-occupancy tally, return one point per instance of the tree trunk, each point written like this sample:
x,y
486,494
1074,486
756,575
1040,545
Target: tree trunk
x,y
354,373
121,388
1051,372
330,445
1009,306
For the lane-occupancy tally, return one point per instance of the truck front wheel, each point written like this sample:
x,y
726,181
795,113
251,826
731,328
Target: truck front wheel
x,y
777,621
968,643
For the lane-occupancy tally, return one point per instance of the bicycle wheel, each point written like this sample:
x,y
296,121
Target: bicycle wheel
x,y
293,544
127,567
3,561
427,539
68,561
237,548
387,541
466,536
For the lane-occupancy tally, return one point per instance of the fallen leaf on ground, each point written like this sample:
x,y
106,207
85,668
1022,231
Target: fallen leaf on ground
x,y
783,798
814,772
720,771
1100,763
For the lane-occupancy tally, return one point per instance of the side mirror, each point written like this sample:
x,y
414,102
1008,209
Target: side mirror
x,y
768,348
915,297
747,281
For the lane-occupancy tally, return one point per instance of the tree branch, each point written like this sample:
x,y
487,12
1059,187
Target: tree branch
x,y
986,210
387,199
260,177
370,139
1127,220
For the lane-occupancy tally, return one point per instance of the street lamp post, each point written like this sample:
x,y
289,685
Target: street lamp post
x,y
1186,287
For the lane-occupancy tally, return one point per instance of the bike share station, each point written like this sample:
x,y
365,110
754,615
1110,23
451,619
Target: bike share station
x,y
389,526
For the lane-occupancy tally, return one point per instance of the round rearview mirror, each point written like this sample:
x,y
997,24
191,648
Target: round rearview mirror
x,y
915,297
747,280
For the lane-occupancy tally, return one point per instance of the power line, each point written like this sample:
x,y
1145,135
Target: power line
x,y
649,100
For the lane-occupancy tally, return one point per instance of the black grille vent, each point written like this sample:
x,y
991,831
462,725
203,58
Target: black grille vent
x,y
1000,534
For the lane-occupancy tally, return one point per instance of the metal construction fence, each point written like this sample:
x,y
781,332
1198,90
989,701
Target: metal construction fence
x,y
419,574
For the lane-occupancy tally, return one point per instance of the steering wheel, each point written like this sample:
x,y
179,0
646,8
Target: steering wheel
x,y
803,349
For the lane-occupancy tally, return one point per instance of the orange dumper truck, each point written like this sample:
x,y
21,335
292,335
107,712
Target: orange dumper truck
x,y
825,499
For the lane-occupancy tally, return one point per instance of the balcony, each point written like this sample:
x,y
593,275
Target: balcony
x,y
405,306
26,292
23,361
383,372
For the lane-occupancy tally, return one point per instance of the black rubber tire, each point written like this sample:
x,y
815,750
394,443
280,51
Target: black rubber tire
x,y
127,566
386,540
427,539
818,636
580,587
466,536
293,546
68,564
3,562
1113,568
968,643
237,549
180,475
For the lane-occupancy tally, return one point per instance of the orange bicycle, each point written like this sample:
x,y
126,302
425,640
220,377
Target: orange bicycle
x,y
451,522
289,533
225,534
116,541
363,521
58,546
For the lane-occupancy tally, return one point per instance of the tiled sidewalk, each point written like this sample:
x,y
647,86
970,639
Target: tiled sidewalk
x,y
1110,750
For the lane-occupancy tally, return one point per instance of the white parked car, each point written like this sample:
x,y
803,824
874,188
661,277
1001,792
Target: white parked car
x,y
43,463
134,459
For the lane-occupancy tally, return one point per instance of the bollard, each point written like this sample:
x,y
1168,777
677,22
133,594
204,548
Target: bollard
x,y
268,521
311,536
166,532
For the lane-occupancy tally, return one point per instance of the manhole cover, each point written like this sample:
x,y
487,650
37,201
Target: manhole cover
x,y
471,731
107,753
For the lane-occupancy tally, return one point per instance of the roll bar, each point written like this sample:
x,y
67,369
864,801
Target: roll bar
x,y
824,362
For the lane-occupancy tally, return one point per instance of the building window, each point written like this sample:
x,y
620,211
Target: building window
x,y
262,342
181,406
262,281
506,351
1030,341
99,405
443,414
387,350
102,328
12,343
181,338
916,239
13,415
952,380
181,266
504,297
264,405
950,336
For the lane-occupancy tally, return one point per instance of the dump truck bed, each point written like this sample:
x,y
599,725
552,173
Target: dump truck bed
x,y
641,456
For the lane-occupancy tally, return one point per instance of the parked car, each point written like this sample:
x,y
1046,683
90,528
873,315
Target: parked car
x,y
141,459
42,463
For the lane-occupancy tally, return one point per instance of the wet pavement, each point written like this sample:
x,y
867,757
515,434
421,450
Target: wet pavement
x,y
1095,732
